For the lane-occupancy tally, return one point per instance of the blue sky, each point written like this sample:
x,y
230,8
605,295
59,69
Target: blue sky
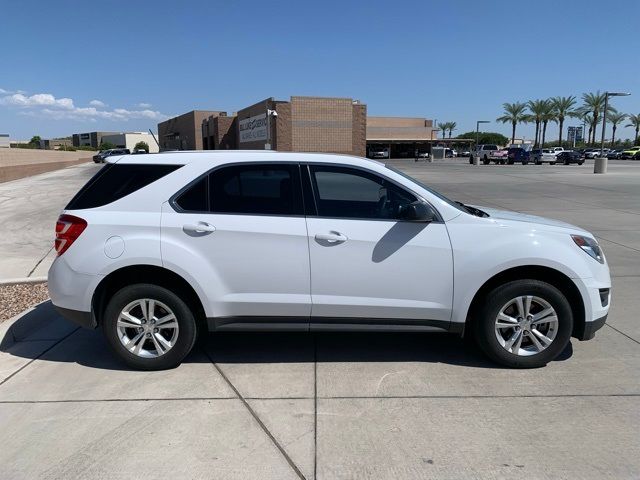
x,y
70,66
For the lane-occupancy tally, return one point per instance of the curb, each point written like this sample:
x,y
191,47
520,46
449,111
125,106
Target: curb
x,y
18,281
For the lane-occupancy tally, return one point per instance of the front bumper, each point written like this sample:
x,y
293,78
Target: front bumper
x,y
588,329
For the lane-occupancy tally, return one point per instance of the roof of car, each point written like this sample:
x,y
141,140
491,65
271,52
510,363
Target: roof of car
x,y
227,156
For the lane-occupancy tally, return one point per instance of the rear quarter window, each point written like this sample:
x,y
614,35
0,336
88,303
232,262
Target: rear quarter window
x,y
115,181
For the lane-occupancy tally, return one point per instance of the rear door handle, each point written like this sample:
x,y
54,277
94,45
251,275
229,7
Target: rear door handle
x,y
200,227
331,237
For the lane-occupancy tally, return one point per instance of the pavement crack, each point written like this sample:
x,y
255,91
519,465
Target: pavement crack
x,y
39,262
255,416
622,333
315,406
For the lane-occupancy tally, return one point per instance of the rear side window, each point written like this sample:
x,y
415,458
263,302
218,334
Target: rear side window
x,y
115,181
256,189
251,189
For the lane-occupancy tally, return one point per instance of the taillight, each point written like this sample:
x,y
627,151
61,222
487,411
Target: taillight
x,y
68,229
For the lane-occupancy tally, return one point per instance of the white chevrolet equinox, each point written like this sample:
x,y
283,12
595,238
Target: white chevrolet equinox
x,y
155,248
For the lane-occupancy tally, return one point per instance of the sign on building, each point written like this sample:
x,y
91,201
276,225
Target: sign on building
x,y
253,128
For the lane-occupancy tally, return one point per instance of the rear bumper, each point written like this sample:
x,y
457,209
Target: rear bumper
x,y
83,319
588,329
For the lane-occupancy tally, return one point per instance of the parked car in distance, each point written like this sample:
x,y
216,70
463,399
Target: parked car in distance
x,y
464,153
629,153
484,152
592,153
499,156
139,151
557,150
614,154
518,154
156,248
543,155
569,156
379,154
102,156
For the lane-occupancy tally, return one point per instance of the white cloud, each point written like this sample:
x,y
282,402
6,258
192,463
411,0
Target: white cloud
x,y
144,105
37,100
48,106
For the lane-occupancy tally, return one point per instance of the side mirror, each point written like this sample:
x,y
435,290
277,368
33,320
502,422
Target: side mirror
x,y
417,212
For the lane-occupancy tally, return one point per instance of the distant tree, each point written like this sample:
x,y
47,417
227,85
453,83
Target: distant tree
x,y
634,122
615,118
443,128
106,146
593,103
549,115
142,146
514,113
539,109
35,140
451,126
563,108
491,138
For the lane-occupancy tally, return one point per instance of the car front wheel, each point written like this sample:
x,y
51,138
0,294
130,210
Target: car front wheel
x,y
149,327
524,324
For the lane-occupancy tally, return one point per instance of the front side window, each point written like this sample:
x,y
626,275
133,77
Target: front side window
x,y
343,192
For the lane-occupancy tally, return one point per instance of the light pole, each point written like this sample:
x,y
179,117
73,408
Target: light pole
x,y
600,165
270,113
476,159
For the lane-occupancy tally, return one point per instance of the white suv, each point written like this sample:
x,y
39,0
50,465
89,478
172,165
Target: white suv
x,y
155,248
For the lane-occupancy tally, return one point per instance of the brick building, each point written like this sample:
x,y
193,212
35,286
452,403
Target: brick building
x,y
183,132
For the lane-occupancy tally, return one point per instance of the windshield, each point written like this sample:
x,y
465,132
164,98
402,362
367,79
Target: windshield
x,y
428,189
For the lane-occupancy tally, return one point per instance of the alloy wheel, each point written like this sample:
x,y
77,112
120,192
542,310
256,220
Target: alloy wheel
x,y
147,328
526,325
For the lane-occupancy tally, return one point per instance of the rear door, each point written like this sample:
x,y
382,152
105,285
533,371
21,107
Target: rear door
x,y
240,232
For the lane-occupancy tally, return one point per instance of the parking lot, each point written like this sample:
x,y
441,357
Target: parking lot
x,y
340,405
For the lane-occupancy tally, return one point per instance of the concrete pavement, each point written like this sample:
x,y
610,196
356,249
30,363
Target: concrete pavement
x,y
347,405
29,208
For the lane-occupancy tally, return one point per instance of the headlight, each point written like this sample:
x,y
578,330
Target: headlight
x,y
590,246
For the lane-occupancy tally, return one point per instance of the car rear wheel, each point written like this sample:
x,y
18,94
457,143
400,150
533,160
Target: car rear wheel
x,y
524,324
552,163
580,163
149,327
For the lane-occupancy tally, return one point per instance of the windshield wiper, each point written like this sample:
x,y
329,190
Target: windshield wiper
x,y
473,211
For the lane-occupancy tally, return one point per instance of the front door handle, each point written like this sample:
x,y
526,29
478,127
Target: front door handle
x,y
200,227
331,237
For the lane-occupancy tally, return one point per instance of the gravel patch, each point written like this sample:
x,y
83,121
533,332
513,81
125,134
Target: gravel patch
x,y
17,298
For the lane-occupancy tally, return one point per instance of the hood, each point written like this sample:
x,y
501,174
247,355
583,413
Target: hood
x,y
523,217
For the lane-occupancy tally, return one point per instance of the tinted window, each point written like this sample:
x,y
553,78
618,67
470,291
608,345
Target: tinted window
x,y
350,193
115,181
195,198
267,189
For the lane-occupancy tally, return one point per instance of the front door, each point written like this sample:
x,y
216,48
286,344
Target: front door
x,y
366,265
240,233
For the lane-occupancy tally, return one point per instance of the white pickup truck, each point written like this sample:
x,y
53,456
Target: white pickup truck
x,y
486,153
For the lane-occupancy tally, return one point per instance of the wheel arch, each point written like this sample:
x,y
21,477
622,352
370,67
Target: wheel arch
x,y
534,272
150,274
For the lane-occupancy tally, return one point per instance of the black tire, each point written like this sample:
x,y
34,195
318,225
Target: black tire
x,y
538,163
510,162
484,323
471,160
580,163
187,331
552,163
486,161
524,162
566,162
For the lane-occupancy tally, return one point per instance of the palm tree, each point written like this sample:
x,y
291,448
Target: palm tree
x,y
549,115
594,104
443,127
587,118
615,118
514,113
538,109
563,108
634,121
451,127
